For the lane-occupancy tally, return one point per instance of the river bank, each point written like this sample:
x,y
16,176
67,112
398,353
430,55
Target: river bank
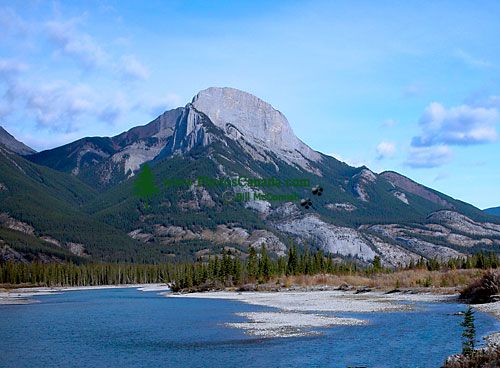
x,y
28,295
303,312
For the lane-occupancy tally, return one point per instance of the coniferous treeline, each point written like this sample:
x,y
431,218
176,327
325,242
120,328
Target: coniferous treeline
x,y
219,271
231,271
69,274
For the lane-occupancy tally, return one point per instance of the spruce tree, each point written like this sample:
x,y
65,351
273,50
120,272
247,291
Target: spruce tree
x,y
252,263
469,333
264,264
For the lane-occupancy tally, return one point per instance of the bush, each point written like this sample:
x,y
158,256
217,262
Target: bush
x,y
480,291
484,358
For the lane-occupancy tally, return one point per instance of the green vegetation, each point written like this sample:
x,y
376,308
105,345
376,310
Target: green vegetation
x,y
50,202
229,270
469,333
69,274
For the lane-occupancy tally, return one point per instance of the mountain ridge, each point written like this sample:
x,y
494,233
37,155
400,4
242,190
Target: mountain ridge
x,y
493,211
227,133
12,144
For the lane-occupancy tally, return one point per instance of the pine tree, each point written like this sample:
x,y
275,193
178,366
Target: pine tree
x,y
469,333
252,265
292,266
144,185
264,264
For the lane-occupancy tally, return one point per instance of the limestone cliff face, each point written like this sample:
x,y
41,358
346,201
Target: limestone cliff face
x,y
245,117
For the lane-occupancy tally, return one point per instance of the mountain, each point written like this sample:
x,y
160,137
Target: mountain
x,y
493,211
225,133
41,218
12,144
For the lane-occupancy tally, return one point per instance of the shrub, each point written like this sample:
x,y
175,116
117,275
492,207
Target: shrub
x,y
480,291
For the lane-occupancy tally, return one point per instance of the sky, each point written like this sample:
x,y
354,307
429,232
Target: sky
x,y
409,86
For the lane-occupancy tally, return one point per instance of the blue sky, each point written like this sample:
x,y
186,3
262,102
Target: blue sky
x,y
407,86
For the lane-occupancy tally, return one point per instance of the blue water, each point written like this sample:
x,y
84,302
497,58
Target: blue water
x,y
129,328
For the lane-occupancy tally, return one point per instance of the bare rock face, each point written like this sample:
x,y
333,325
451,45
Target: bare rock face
x,y
221,235
245,117
408,185
143,143
392,255
51,240
76,248
12,144
401,197
361,181
139,235
349,207
7,254
334,239
463,224
13,224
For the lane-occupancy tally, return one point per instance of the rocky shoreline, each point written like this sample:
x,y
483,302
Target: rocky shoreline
x,y
300,312
28,295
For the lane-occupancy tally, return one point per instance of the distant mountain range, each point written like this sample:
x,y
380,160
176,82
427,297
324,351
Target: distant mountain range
x,y
493,211
78,200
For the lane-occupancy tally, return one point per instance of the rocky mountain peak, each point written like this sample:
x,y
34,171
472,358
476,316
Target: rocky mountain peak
x,y
249,114
244,116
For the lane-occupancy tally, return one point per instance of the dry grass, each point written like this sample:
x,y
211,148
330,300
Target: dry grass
x,y
481,290
484,358
389,281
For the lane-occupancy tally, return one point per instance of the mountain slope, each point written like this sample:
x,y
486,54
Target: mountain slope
x,y
102,161
13,145
225,133
493,211
42,207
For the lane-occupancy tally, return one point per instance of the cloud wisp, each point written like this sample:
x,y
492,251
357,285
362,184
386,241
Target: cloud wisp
x,y
429,157
385,150
76,44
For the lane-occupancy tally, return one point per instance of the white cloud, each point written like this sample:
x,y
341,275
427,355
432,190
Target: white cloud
x,y
442,176
78,45
157,106
461,125
385,150
132,68
471,60
428,157
115,108
9,72
58,105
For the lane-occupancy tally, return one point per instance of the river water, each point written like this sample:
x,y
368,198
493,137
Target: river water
x,y
131,328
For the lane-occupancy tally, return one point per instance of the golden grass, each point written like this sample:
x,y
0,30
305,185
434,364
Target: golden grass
x,y
388,281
